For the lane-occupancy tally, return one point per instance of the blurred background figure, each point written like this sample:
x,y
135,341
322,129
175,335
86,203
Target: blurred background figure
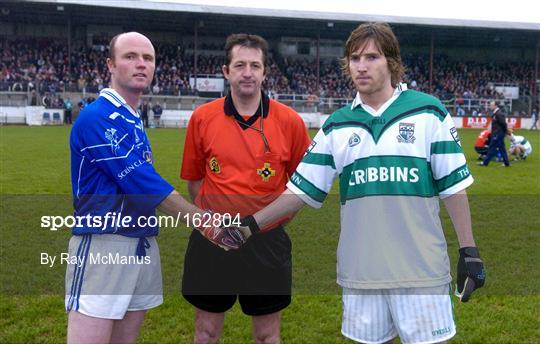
x,y
482,143
520,147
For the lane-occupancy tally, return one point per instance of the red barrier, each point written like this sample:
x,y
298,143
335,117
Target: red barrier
x,y
484,122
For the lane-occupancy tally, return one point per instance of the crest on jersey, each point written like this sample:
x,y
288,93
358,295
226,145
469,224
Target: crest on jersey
x,y
110,134
406,133
266,172
147,155
455,135
354,140
214,165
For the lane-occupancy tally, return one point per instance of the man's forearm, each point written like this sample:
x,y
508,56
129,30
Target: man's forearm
x,y
457,207
286,204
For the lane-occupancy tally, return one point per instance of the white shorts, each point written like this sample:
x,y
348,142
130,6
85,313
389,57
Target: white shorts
x,y
527,148
105,278
417,315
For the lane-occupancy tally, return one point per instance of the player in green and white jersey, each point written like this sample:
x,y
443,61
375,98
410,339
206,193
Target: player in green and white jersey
x,y
520,147
396,152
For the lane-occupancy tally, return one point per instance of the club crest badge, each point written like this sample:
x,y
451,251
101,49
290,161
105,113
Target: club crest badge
x,y
148,157
110,135
354,140
406,133
214,165
266,172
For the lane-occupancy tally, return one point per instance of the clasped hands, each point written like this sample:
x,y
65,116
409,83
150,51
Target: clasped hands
x,y
231,237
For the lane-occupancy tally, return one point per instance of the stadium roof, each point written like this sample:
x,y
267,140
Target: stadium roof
x,y
499,14
175,19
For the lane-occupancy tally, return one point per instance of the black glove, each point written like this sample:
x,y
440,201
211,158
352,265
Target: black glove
x,y
470,273
248,226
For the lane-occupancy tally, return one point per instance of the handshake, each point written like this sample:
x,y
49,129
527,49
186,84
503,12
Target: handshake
x,y
232,237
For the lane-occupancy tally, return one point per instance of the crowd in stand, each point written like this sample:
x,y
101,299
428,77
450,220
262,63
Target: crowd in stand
x,y
43,64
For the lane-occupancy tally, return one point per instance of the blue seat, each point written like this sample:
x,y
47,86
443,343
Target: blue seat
x,y
46,118
56,118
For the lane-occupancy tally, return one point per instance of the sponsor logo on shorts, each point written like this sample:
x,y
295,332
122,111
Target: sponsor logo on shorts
x,y
441,332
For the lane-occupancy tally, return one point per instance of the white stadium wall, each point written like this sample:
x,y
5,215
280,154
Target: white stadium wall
x,y
37,115
31,115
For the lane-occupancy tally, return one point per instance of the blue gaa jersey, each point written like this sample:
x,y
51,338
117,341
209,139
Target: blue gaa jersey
x,y
112,171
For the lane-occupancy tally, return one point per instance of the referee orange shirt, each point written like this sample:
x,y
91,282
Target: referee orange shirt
x,y
238,173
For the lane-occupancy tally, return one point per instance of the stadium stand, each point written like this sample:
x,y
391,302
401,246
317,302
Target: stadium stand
x,y
27,63
43,64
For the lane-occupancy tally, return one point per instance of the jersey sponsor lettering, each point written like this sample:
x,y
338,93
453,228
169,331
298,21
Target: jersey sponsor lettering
x,y
463,172
387,175
130,169
296,179
384,174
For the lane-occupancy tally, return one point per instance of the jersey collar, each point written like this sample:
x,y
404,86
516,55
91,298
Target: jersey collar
x,y
116,99
397,91
230,110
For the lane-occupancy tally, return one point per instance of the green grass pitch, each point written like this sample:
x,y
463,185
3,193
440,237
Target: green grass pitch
x,y
35,181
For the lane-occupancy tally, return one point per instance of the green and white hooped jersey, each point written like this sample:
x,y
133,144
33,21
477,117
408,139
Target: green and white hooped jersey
x,y
520,140
393,165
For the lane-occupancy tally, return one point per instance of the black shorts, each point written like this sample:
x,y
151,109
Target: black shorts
x,y
259,274
481,150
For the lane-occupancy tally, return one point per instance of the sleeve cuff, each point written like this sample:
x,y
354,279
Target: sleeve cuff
x,y
303,196
462,185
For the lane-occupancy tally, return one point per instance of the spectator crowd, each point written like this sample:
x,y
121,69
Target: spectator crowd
x,y
44,65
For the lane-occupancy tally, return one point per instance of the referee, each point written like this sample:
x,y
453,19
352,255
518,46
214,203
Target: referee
x,y
239,153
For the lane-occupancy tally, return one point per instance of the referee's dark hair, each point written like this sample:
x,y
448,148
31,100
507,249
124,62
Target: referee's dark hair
x,y
384,38
248,41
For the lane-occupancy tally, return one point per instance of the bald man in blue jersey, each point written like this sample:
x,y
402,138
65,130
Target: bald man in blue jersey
x,y
117,276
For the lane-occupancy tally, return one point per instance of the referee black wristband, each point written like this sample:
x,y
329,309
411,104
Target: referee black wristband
x,y
249,221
